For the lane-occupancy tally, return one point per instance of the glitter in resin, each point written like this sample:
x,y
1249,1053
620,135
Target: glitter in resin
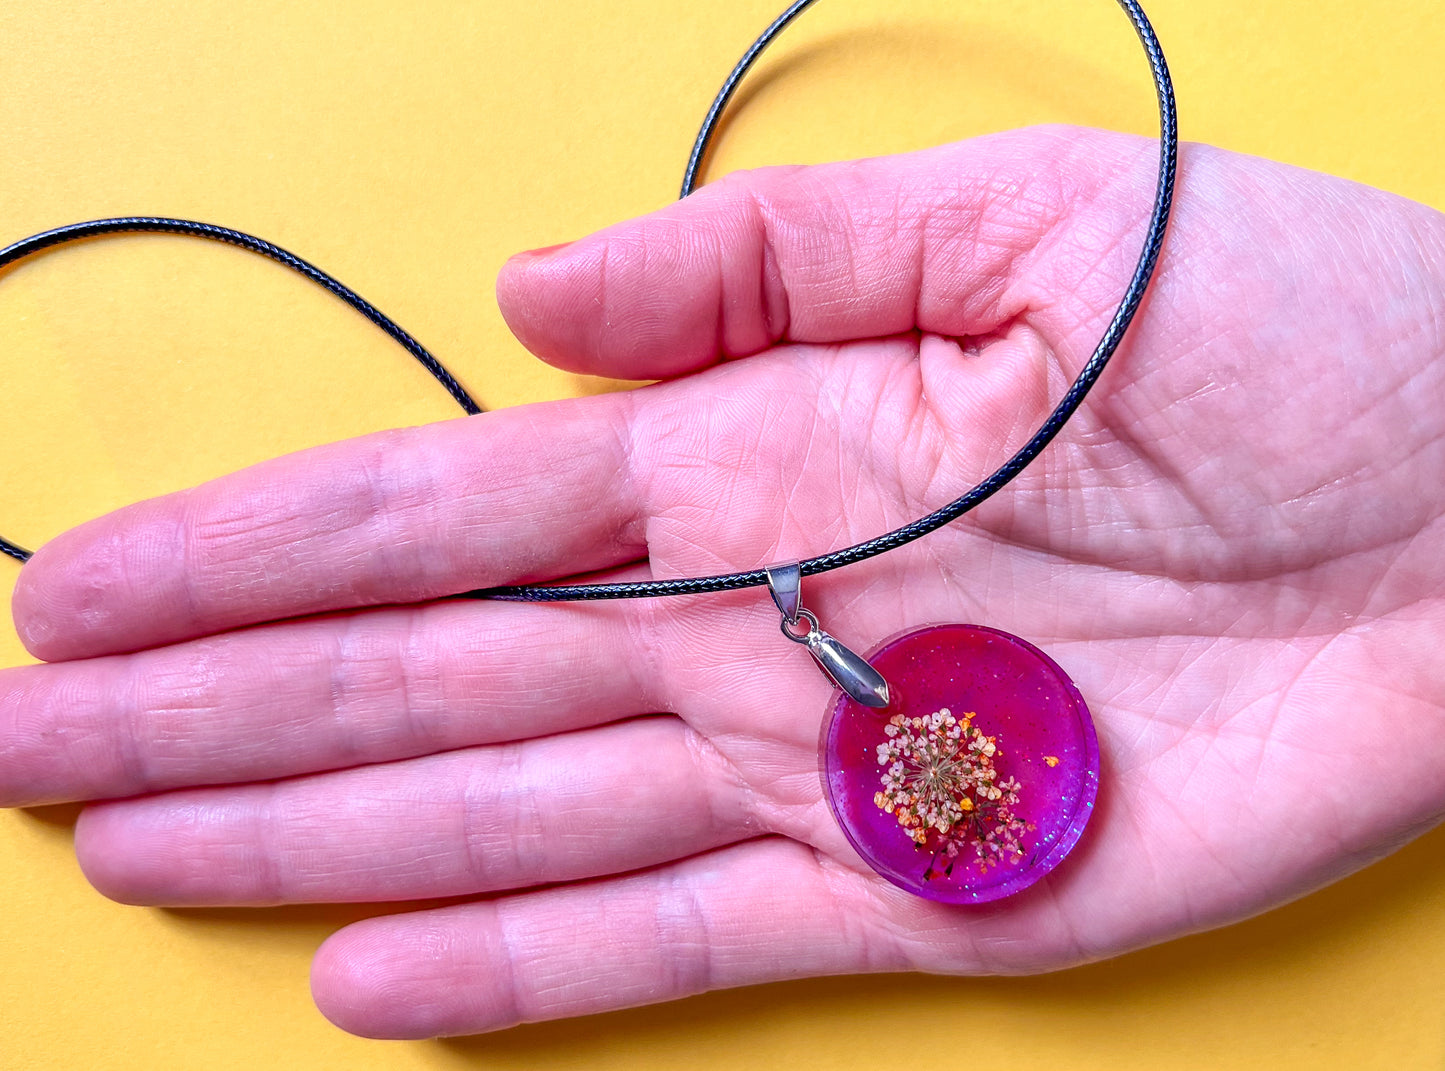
x,y
979,776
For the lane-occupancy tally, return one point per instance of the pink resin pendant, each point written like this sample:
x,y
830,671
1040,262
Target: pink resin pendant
x,y
979,775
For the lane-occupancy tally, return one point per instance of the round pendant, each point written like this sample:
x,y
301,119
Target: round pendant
x,y
978,777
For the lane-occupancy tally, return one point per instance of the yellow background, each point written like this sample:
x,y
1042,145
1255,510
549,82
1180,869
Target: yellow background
x,y
409,148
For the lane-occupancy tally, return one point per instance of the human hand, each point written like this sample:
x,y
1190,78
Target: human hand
x,y
1234,549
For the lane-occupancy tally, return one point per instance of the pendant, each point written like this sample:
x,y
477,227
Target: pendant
x,y
977,778
975,774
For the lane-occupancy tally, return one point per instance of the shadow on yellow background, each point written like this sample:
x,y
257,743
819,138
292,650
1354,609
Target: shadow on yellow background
x,y
1226,998
1190,988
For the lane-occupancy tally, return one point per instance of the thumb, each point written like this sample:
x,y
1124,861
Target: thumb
x,y
956,241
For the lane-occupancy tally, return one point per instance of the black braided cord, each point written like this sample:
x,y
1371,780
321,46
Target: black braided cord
x,y
1113,336
98,228
1073,397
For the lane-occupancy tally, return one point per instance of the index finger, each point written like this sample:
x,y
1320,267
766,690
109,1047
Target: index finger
x,y
401,516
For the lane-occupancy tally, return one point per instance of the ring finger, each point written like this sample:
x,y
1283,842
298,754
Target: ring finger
x,y
509,816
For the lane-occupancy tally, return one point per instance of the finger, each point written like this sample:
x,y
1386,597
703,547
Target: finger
x,y
758,912
955,241
509,816
402,516
318,694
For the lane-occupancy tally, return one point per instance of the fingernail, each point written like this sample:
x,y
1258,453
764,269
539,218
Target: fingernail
x,y
544,251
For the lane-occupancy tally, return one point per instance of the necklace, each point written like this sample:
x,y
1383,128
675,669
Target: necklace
x,y
960,761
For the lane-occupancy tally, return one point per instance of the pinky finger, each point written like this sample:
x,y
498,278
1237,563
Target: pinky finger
x,y
762,911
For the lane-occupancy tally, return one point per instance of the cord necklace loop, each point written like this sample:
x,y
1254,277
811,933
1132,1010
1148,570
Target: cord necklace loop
x,y
1073,397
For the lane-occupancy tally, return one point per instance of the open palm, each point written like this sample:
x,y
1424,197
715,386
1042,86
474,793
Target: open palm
x,y
1234,549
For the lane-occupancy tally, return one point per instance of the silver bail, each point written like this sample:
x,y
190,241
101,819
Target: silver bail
x,y
785,585
843,667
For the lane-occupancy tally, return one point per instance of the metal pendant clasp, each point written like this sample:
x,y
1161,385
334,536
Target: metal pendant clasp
x,y
843,667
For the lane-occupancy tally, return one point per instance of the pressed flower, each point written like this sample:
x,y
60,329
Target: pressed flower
x,y
941,784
